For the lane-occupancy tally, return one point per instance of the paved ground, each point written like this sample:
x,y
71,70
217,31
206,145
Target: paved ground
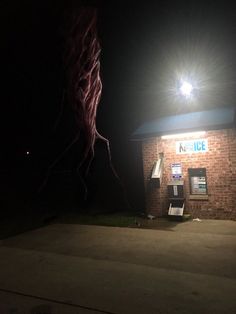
x,y
69,268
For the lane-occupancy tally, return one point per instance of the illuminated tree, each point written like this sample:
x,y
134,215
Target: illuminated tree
x,y
83,87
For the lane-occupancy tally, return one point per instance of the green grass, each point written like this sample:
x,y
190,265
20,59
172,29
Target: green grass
x,y
115,219
27,221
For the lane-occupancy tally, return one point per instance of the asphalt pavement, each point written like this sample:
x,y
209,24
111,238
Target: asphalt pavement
x,y
69,268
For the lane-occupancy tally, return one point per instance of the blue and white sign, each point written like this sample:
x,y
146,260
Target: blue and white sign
x,y
176,170
192,146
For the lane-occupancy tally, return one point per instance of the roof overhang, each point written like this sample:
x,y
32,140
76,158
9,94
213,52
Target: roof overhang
x,y
215,119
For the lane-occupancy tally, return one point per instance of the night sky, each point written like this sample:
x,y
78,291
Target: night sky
x,y
145,46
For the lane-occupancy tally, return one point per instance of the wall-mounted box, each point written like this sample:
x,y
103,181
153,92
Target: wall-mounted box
x,y
176,190
157,171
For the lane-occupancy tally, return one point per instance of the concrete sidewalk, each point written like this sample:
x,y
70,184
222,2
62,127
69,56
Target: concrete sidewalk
x,y
185,268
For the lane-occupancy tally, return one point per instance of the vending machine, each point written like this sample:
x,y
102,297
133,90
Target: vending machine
x,y
176,191
176,198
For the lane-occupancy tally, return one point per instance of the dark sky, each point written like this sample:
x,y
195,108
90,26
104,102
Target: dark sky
x,y
145,48
147,44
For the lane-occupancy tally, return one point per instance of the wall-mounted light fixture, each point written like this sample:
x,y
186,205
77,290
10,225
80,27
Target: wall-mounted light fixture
x,y
183,135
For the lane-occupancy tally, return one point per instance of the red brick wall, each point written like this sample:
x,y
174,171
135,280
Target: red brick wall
x,y
220,164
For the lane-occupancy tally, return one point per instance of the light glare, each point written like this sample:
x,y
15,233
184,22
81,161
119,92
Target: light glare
x,y
186,89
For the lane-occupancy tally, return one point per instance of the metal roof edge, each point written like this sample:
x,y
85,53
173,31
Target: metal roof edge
x,y
143,136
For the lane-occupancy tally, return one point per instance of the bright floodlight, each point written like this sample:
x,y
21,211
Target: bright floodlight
x,y
186,89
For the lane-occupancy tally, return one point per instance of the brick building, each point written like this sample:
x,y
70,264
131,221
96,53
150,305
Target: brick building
x,y
198,149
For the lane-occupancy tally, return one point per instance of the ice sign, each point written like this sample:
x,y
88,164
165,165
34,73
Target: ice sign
x,y
193,146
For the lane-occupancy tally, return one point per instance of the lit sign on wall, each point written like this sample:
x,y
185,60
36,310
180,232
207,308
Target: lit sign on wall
x,y
176,171
192,146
